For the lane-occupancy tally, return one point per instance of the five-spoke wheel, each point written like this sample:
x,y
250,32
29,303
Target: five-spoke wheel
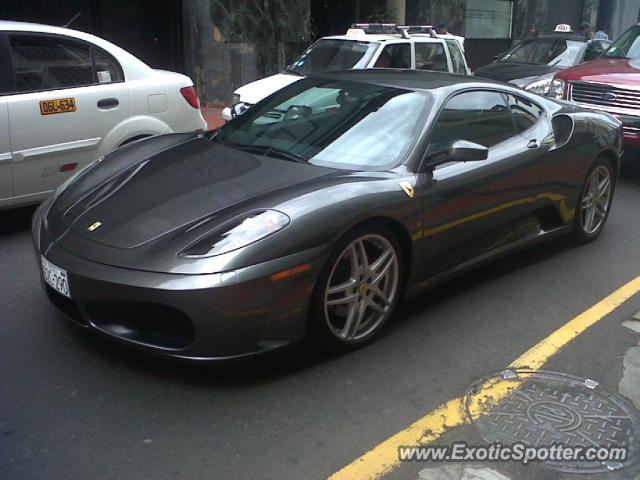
x,y
595,201
359,289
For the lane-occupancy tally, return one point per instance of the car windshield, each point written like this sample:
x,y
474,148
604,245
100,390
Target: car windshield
x,y
546,51
331,54
627,46
334,123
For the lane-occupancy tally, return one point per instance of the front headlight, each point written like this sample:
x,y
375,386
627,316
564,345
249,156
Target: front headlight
x,y
557,88
541,87
238,233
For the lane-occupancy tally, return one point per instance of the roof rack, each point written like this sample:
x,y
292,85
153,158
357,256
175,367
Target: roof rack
x,y
390,28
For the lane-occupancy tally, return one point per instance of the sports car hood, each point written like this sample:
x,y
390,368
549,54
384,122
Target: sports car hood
x,y
507,72
175,188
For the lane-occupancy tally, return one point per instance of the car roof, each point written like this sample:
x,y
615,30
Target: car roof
x,y
564,36
383,37
134,68
409,79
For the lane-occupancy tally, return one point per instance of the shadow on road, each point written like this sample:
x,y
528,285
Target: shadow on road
x,y
16,220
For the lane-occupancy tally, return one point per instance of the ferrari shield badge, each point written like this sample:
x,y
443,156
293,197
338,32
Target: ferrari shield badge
x,y
408,189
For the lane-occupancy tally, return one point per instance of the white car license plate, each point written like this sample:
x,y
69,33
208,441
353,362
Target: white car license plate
x,y
55,277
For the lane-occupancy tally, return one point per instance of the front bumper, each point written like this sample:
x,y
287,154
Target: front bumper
x,y
197,317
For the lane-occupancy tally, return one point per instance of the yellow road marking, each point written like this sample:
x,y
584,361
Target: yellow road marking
x,y
384,457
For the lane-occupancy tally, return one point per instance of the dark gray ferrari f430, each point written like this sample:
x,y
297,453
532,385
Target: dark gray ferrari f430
x,y
315,212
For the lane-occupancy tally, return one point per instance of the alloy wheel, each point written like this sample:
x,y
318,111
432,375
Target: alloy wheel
x,y
596,200
362,288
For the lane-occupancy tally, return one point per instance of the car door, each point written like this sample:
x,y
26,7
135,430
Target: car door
x,y
6,86
6,175
68,95
471,208
458,60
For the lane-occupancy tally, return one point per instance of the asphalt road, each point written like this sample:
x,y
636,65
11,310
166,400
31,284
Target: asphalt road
x,y
75,406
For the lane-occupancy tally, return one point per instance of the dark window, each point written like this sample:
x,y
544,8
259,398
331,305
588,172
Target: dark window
x,y
525,113
327,55
107,68
431,56
46,63
478,116
457,59
397,55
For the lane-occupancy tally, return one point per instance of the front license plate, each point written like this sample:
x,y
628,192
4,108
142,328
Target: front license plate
x,y
55,277
59,105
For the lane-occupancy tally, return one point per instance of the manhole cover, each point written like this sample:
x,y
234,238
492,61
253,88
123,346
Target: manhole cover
x,y
542,409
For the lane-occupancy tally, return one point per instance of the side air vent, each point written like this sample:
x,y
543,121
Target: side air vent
x,y
562,129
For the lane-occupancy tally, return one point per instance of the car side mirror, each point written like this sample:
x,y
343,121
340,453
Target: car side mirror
x,y
592,54
459,151
238,109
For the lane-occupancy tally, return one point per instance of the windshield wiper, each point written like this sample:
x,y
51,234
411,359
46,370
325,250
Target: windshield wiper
x,y
271,151
216,137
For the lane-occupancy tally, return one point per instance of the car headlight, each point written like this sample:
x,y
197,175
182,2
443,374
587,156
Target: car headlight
x,y
238,233
541,87
557,88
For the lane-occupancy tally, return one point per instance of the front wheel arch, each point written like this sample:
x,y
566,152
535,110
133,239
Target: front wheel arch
x,y
319,333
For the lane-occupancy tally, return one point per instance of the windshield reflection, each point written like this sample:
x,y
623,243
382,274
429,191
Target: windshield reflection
x,y
333,123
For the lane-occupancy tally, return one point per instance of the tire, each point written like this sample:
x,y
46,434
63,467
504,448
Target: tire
x,y
346,318
583,230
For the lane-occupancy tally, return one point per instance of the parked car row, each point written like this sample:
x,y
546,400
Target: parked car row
x,y
595,73
364,45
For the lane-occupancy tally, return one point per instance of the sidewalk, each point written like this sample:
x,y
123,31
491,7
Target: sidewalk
x,y
213,117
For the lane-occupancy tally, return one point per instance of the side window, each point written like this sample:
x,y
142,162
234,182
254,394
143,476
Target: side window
x,y
108,70
45,63
456,57
396,55
478,116
431,56
525,113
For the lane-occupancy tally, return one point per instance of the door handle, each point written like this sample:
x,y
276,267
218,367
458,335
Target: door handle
x,y
532,144
108,103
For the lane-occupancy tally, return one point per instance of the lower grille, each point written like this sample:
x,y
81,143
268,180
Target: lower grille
x,y
65,305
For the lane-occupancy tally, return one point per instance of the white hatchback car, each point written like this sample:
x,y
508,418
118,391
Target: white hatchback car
x,y
67,98
365,45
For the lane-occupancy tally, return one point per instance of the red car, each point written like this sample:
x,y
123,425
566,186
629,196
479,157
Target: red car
x,y
610,84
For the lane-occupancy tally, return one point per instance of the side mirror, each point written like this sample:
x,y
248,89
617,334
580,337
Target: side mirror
x,y
238,109
460,151
592,54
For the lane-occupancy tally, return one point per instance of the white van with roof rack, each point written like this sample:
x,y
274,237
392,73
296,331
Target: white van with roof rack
x,y
365,45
